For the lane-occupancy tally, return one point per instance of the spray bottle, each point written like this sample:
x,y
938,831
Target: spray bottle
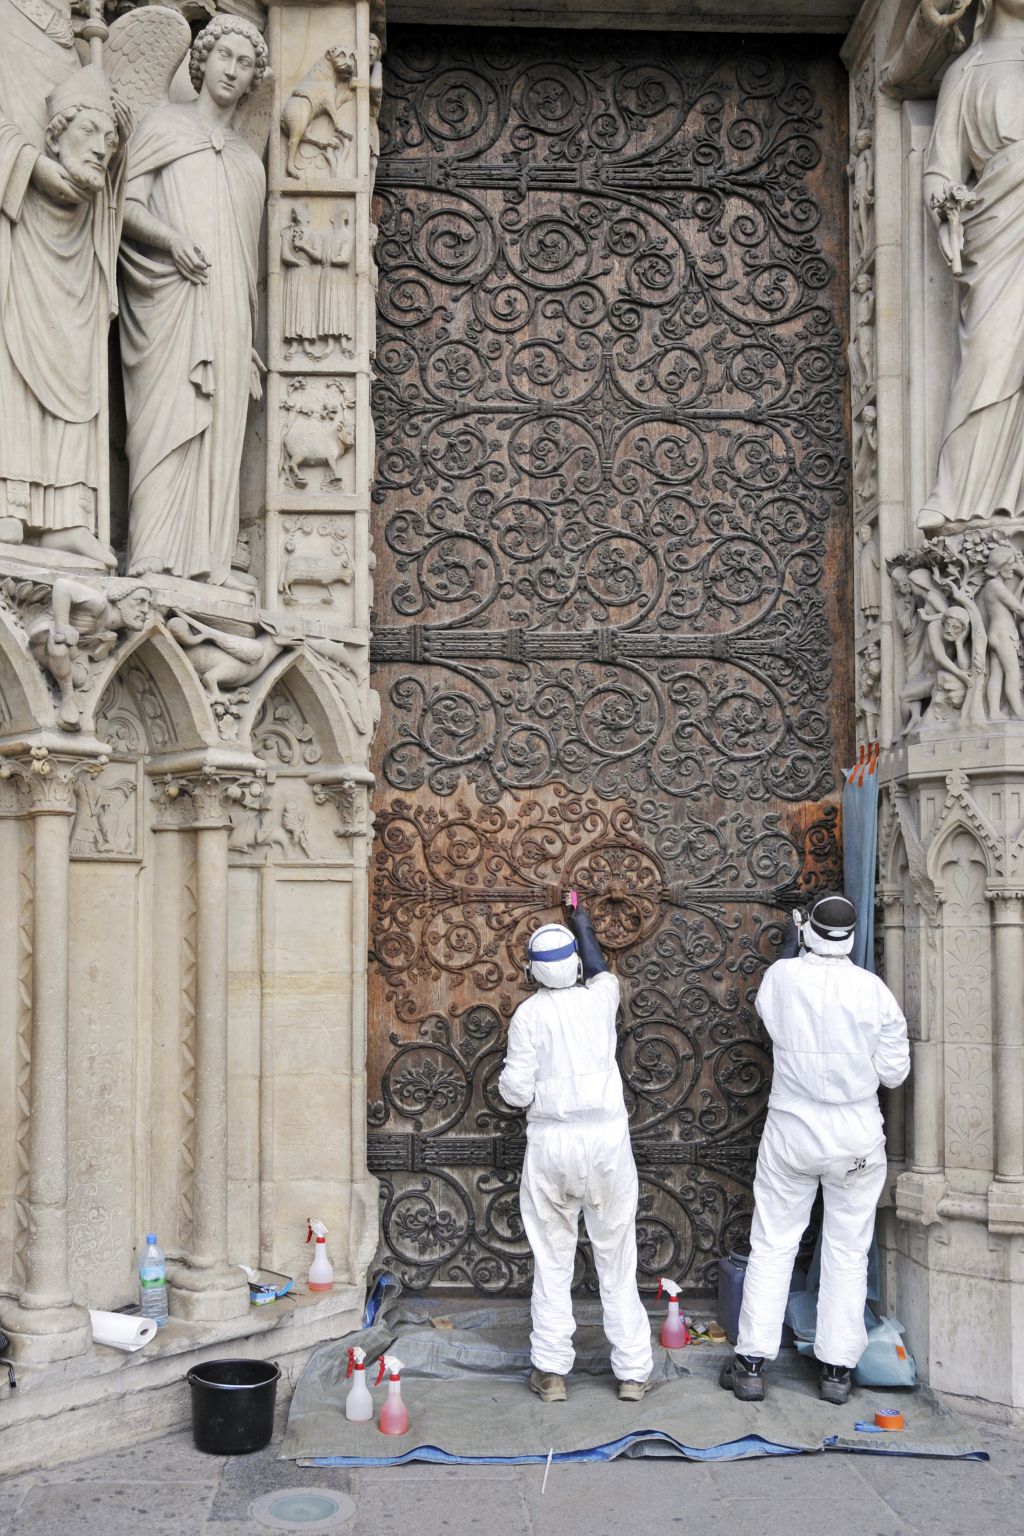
x,y
321,1271
394,1416
673,1330
359,1403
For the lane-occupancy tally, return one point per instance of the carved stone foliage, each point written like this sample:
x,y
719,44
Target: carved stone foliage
x,y
282,735
611,465
958,611
133,712
318,432
681,906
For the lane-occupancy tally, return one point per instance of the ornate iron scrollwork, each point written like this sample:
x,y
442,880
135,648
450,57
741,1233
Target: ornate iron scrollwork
x,y
610,486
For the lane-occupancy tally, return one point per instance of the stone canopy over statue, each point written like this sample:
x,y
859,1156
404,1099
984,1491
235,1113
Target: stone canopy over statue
x,y
974,185
183,198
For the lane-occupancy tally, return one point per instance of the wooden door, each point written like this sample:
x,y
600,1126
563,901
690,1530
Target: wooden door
x,y
612,634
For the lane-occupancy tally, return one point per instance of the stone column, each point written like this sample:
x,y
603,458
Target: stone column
x,y
46,1324
205,1286
895,1099
1006,1194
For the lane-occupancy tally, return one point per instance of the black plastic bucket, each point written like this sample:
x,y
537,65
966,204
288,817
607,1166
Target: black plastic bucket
x,y
233,1405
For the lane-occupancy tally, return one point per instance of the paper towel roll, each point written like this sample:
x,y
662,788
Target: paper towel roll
x,y
120,1330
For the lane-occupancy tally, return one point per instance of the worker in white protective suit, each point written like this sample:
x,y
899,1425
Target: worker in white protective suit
x,y
838,1033
561,1069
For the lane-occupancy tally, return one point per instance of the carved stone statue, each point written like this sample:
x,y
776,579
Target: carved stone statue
x,y
870,573
865,457
861,171
1001,608
376,97
195,196
60,194
226,662
862,347
870,695
82,625
974,185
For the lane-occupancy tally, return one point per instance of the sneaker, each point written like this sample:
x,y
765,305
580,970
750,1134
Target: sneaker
x,y
742,1377
633,1391
835,1384
548,1387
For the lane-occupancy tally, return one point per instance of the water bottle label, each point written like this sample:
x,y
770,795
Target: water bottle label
x,y
148,1284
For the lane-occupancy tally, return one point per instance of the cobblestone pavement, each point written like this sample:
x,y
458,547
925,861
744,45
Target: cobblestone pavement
x,y
167,1488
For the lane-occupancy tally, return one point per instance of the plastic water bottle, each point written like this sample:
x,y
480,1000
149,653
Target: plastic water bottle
x,y
153,1282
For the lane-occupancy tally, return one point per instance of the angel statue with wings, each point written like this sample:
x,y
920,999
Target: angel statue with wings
x,y
194,201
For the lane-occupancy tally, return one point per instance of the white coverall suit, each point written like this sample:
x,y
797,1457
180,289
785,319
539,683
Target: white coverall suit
x,y
561,1068
837,1033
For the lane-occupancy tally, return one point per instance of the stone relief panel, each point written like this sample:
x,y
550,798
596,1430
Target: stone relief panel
x,y
317,437
318,293
316,565
958,612
318,119
106,824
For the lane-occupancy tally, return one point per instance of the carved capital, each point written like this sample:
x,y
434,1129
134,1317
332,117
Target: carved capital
x,y
47,781
918,1196
1007,906
199,801
891,903
348,799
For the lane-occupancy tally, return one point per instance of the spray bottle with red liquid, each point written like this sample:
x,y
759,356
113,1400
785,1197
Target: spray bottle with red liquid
x,y
358,1403
321,1271
394,1416
674,1334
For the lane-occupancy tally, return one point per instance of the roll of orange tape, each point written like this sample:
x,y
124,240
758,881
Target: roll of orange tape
x,y
889,1418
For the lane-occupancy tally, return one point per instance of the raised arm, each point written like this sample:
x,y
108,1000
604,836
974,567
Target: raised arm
x,y
586,942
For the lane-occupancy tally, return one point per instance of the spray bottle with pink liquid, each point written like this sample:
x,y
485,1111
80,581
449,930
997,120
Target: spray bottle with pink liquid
x,y
674,1333
394,1416
358,1403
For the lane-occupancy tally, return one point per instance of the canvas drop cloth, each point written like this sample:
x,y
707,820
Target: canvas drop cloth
x,y
465,1388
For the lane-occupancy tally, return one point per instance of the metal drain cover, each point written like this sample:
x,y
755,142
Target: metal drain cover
x,y
303,1509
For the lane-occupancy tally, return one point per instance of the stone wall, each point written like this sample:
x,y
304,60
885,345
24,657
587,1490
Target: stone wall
x,y
184,822
931,689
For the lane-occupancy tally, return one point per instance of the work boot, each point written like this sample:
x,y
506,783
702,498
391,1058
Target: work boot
x,y
742,1377
633,1391
548,1387
835,1384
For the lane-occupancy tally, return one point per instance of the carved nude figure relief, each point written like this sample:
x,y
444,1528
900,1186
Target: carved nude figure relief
x,y
974,186
194,202
61,161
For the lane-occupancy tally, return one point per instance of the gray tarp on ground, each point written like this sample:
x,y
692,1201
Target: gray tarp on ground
x,y
466,1392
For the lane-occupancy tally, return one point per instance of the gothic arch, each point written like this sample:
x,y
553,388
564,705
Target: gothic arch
x,y
26,704
319,698
174,708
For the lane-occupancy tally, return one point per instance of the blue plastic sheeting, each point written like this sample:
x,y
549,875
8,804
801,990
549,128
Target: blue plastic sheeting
x,y
733,1450
860,845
